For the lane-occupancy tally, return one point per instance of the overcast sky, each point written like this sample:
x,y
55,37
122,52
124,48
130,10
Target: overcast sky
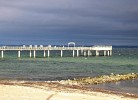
x,y
89,22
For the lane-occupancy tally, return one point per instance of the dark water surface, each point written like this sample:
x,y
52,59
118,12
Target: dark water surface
x,y
128,86
123,61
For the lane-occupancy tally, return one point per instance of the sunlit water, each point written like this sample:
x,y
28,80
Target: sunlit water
x,y
123,61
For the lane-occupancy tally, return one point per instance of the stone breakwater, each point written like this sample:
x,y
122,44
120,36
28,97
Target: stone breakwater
x,y
100,79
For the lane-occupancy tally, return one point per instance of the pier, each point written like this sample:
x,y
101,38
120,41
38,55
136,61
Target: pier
x,y
76,51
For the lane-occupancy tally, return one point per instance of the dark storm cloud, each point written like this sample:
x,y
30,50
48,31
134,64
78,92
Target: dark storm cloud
x,y
92,21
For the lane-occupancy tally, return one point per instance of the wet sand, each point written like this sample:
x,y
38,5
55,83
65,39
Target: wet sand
x,y
52,91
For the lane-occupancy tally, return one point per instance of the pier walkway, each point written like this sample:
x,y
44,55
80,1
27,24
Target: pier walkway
x,y
85,51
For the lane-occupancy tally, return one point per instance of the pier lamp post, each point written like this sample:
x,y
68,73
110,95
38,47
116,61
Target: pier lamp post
x,y
73,43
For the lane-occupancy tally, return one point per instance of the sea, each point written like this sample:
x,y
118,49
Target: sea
x,y
123,61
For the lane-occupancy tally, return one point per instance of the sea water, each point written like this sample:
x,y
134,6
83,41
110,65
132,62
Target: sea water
x,y
123,61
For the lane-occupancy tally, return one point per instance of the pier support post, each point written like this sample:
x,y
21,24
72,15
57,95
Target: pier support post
x,y
19,54
48,53
97,53
61,53
77,53
81,52
44,53
30,54
104,53
108,53
85,54
2,54
34,54
73,53
88,53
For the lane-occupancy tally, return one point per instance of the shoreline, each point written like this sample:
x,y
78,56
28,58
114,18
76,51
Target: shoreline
x,y
80,84
66,90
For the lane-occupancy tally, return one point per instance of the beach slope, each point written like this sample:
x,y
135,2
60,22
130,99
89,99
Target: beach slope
x,y
18,92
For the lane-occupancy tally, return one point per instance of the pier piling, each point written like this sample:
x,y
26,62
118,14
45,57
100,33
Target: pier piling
x,y
34,53
48,52
97,53
105,53
61,53
30,54
19,54
77,53
73,53
44,53
2,54
85,53
110,52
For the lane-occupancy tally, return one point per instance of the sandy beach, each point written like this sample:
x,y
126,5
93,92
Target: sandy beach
x,y
41,91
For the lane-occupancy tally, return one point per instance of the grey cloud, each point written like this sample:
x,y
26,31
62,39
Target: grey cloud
x,y
78,19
